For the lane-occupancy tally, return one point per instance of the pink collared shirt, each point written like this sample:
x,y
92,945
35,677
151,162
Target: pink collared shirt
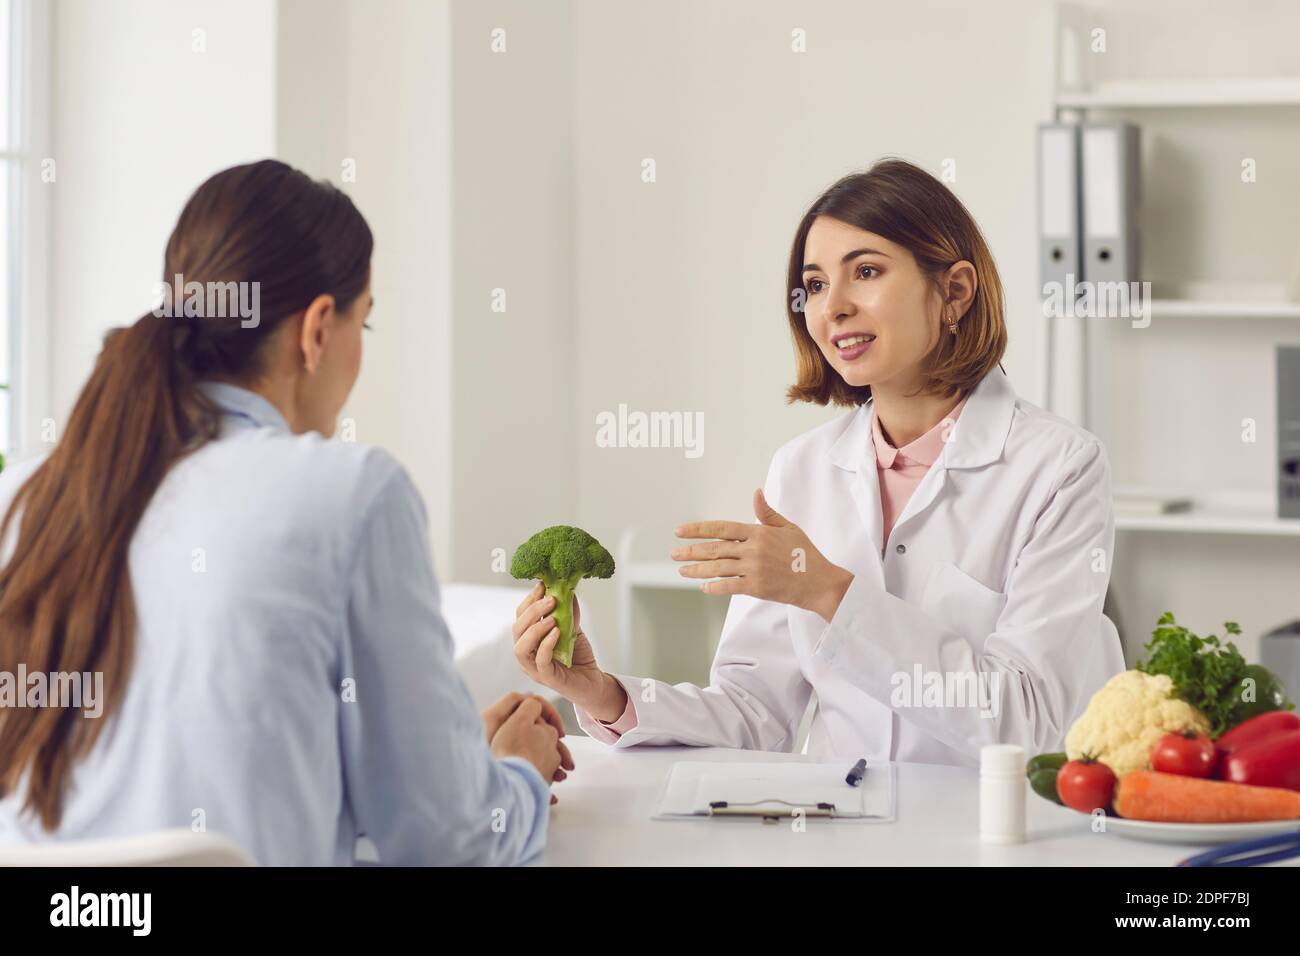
x,y
900,470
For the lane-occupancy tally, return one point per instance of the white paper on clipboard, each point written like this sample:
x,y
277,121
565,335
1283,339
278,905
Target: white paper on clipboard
x,y
693,785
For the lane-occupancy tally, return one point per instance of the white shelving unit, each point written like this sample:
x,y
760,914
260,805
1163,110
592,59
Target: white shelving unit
x,y
1209,521
1211,309
636,573
1075,97
1164,94
1240,513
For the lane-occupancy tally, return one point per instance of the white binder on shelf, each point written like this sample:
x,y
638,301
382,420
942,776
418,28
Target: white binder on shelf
x,y
1060,249
1111,195
772,791
1060,262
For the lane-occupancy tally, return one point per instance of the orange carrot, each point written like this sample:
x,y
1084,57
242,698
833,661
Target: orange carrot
x,y
1171,798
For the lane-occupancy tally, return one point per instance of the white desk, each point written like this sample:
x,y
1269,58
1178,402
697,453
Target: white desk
x,y
603,819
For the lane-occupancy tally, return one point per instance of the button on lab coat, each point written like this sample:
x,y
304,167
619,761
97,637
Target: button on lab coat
x,y
981,624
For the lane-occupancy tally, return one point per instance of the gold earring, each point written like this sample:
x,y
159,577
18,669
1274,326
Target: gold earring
x,y
952,324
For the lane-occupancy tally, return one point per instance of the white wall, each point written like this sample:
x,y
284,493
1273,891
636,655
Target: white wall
x,y
514,373
464,158
139,119
373,85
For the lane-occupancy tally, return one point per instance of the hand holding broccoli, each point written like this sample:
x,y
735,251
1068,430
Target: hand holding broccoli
x,y
549,643
560,557
582,682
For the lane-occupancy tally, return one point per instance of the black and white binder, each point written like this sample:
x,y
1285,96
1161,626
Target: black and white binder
x,y
1111,172
1060,248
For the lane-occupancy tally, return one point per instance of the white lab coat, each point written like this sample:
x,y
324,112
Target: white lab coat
x,y
993,577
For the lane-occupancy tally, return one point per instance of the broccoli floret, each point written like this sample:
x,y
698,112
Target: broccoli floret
x,y
560,557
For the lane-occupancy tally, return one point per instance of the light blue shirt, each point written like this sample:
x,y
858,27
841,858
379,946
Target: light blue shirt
x,y
292,683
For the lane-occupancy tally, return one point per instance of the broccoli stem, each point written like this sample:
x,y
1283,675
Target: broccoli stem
x,y
562,590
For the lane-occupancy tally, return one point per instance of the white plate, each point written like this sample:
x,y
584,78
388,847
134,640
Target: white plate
x,y
1197,833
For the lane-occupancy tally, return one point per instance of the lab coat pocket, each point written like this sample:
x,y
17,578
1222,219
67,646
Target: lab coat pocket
x,y
961,603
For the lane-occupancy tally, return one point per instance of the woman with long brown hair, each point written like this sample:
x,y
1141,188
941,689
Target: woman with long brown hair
x,y
932,564
252,607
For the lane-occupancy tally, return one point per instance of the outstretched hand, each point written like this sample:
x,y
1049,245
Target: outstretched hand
x,y
773,560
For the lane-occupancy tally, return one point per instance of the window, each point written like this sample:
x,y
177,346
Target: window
x,y
8,200
23,102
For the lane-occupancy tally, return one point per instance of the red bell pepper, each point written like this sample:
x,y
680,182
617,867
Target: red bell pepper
x,y
1257,728
1271,762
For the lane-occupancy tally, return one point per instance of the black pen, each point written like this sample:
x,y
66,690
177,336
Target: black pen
x,y
857,773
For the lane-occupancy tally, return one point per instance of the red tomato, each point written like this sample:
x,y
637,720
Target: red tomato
x,y
1187,754
1271,762
1086,785
1250,732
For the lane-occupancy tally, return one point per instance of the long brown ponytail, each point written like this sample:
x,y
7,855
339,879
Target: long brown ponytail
x,y
66,603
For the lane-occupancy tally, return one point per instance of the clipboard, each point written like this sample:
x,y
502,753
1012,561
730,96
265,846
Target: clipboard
x,y
774,791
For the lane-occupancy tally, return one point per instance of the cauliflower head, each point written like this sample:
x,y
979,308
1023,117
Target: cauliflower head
x,y
1126,718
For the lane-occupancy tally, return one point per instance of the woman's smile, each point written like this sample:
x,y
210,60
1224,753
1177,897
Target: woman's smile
x,y
852,345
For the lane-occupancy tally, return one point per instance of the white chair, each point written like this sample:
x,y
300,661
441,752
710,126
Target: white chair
x,y
162,848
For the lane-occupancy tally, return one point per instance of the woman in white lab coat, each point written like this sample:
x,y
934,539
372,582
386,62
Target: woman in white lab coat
x,y
930,616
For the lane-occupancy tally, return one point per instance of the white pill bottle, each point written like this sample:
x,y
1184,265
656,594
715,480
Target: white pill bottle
x,y
1002,794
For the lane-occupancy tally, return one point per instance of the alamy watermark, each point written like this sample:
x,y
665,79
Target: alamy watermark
x,y
209,300
1098,300
633,429
947,689
80,690
130,910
